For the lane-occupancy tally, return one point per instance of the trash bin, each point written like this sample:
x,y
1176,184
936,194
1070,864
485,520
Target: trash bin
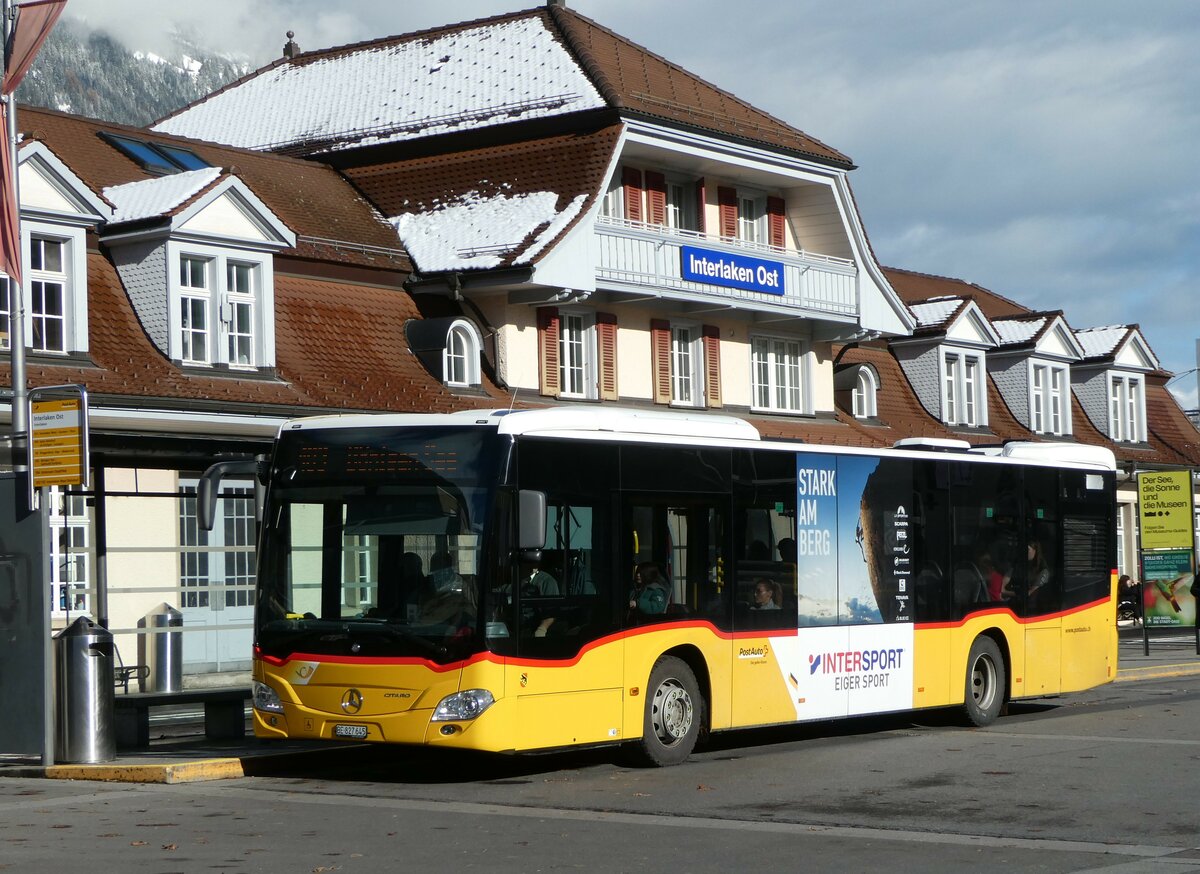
x,y
161,649
83,676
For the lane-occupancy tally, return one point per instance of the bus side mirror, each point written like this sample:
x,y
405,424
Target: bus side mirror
x,y
531,519
209,487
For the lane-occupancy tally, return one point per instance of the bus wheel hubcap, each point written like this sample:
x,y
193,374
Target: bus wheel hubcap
x,y
983,682
672,712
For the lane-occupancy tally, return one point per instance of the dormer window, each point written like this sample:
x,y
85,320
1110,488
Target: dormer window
x,y
48,282
1127,408
963,398
863,394
219,306
1049,409
461,357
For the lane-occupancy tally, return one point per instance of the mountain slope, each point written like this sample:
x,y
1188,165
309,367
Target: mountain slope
x,y
87,72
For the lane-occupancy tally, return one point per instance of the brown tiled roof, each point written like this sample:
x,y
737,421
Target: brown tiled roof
x,y
633,78
310,198
914,287
338,347
569,166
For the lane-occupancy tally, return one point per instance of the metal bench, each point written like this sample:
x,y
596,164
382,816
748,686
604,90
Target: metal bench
x,y
224,713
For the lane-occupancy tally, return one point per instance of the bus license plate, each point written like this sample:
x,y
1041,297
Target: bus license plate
x,y
355,731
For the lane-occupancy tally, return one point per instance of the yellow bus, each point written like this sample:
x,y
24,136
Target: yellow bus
x,y
513,581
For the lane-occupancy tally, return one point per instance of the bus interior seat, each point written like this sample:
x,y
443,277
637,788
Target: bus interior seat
x,y
969,585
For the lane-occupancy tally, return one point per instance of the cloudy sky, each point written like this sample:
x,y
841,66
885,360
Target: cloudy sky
x,y
1044,150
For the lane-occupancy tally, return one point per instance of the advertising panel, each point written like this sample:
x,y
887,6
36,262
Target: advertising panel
x,y
1166,588
1165,509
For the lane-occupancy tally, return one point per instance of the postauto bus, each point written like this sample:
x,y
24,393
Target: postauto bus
x,y
513,581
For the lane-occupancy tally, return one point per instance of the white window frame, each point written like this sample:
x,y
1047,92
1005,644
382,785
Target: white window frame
x,y
461,355
780,386
73,277
195,305
862,396
612,205
1049,398
577,354
237,312
1126,407
687,365
217,567
235,318
48,284
70,553
963,380
682,212
752,217
5,313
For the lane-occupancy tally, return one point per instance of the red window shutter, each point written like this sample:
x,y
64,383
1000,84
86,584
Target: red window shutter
x,y
547,326
727,202
712,364
631,178
775,221
660,360
606,342
656,198
700,201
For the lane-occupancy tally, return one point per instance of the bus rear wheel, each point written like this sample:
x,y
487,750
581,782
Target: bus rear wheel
x,y
674,713
986,682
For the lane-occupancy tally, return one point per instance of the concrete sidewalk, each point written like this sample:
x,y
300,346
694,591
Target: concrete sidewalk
x,y
191,758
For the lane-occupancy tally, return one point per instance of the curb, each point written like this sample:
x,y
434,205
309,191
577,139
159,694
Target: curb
x,y
1157,672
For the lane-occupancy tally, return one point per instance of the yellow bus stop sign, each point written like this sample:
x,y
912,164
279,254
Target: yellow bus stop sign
x,y
1165,509
56,433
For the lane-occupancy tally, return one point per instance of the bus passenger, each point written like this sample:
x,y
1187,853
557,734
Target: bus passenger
x,y
650,594
766,595
1037,573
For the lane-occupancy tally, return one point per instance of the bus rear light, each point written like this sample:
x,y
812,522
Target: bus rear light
x,y
464,705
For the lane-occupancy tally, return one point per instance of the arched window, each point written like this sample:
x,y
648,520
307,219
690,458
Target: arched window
x,y
863,395
460,357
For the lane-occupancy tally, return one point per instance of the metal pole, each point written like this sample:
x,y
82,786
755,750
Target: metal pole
x,y
16,329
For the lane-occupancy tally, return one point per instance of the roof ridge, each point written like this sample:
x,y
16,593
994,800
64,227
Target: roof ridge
x,y
560,12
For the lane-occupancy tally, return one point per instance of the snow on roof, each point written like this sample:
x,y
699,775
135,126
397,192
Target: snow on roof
x,y
1018,330
552,230
1100,341
935,311
149,198
388,92
478,232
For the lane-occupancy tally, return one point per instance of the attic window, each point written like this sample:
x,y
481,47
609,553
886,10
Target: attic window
x,y
157,157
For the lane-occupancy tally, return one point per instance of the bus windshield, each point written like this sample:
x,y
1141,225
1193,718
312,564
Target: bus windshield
x,y
374,540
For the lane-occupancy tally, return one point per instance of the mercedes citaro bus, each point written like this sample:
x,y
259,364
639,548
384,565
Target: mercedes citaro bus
x,y
479,580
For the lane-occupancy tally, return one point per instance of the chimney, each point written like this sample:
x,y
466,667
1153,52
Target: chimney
x,y
290,49
561,4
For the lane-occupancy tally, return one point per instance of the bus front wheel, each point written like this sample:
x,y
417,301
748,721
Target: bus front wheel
x,y
674,713
985,682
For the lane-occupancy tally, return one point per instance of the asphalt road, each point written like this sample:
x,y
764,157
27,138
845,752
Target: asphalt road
x,y
1104,780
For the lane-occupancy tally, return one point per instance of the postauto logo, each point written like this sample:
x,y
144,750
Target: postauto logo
x,y
855,661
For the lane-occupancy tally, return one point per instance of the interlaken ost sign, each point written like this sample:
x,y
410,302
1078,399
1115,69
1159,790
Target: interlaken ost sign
x,y
731,271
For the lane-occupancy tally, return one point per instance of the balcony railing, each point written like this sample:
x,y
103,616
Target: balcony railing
x,y
645,256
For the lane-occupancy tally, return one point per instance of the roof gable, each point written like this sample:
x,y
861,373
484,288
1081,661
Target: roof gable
x,y
1121,345
51,189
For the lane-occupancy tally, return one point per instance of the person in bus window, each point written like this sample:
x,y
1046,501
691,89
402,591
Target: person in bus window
x,y
650,594
766,595
1037,572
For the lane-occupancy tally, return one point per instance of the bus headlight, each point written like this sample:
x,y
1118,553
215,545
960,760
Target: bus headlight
x,y
467,704
266,699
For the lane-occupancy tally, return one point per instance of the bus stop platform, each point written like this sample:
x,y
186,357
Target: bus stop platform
x,y
180,753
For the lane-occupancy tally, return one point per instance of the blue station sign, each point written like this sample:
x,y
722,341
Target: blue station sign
x,y
731,271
